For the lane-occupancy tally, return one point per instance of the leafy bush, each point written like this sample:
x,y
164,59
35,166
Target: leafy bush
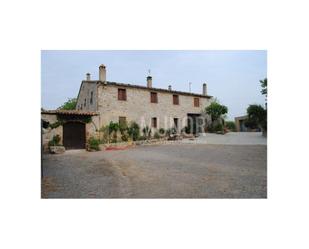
x,y
94,143
218,127
230,125
55,141
186,130
171,131
142,138
134,131
104,134
113,128
161,131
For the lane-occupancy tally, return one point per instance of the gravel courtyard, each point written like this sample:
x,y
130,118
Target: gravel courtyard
x,y
159,171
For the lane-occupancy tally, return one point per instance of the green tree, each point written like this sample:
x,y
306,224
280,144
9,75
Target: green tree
x,y
264,86
230,125
69,105
216,111
257,116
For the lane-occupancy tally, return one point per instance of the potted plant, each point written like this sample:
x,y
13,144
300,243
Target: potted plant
x,y
54,145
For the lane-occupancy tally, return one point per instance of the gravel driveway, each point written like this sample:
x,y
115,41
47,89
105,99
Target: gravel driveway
x,y
158,171
232,138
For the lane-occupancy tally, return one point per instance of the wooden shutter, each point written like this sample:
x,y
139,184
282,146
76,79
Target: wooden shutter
x,y
196,102
175,99
153,97
122,94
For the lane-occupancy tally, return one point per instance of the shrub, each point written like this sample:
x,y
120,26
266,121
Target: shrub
x,y
113,128
55,141
124,137
156,135
134,131
171,131
93,143
147,132
230,125
186,130
161,131
142,138
218,127
104,134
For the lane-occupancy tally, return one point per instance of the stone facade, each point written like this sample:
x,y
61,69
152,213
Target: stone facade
x,y
49,133
87,98
91,129
139,108
102,96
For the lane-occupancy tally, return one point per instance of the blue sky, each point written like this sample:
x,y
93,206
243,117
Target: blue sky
x,y
231,76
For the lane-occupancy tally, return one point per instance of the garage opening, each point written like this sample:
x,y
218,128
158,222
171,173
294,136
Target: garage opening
x,y
74,135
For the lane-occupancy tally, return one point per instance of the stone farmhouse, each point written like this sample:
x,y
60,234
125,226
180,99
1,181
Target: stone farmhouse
x,y
105,101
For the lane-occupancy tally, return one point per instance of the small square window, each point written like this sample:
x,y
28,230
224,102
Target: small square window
x,y
153,97
122,94
196,102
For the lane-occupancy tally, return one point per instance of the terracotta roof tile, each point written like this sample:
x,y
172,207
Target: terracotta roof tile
x,y
148,88
69,112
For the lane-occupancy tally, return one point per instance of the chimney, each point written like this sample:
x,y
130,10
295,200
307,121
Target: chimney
x,y
102,73
149,81
170,87
88,76
204,89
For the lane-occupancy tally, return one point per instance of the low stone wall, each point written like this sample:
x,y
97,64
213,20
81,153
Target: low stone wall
x,y
126,145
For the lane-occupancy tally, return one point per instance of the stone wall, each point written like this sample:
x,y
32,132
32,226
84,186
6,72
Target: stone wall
x,y
83,100
48,133
138,107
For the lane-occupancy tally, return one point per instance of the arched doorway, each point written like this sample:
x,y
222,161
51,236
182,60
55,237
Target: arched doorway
x,y
74,135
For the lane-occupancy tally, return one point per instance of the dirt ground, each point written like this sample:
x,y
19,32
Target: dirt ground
x,y
158,171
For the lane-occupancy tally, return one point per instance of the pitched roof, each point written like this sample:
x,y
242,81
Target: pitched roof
x,y
69,112
149,89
